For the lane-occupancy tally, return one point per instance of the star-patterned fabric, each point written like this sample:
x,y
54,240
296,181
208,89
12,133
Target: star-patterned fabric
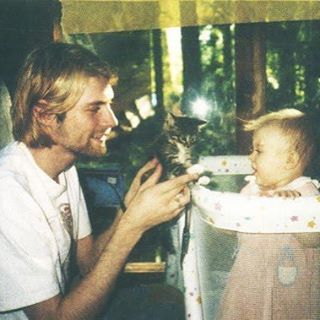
x,y
212,253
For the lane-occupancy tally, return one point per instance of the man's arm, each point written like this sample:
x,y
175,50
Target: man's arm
x,y
150,204
87,299
89,248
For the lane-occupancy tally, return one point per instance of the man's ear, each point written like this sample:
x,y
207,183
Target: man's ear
x,y
43,117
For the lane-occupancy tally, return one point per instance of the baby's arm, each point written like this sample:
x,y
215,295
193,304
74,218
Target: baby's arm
x,y
307,240
312,239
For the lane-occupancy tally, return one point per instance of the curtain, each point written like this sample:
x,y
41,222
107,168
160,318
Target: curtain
x,y
93,16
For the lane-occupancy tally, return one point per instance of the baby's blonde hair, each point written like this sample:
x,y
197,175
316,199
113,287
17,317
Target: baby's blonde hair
x,y
295,125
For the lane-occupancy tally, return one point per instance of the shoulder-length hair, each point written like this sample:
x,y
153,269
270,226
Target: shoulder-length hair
x,y
54,78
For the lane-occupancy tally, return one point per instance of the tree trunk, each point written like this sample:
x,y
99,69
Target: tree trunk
x,y
312,69
158,69
192,73
227,51
228,63
250,65
287,64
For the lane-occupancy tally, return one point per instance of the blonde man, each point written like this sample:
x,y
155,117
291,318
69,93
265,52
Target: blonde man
x,y
62,109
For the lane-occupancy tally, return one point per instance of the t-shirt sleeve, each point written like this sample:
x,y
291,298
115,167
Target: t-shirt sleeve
x,y
27,265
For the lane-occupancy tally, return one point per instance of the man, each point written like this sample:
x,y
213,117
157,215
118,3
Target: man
x,y
61,110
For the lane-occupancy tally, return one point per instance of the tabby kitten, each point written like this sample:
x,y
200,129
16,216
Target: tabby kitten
x,y
174,145
173,149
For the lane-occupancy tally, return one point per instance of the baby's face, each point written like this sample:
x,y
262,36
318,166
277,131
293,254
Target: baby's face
x,y
270,158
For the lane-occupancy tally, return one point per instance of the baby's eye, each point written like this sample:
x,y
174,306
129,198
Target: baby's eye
x,y
252,150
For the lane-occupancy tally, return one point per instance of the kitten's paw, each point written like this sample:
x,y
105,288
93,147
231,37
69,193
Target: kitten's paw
x,y
196,168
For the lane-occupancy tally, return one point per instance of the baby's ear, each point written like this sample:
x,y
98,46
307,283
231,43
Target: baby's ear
x,y
293,160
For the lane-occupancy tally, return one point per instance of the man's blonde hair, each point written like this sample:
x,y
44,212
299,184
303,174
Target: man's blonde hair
x,y
295,125
56,74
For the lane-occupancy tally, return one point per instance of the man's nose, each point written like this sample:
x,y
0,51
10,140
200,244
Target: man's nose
x,y
109,119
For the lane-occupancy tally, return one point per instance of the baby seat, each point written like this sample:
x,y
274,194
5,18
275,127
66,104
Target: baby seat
x,y
211,252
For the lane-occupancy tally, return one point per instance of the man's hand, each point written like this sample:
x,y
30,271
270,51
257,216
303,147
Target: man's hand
x,y
137,185
151,203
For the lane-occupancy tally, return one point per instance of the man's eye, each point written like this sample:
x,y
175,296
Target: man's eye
x,y
94,109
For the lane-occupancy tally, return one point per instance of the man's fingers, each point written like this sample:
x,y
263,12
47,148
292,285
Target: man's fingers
x,y
180,199
147,167
136,183
153,179
177,183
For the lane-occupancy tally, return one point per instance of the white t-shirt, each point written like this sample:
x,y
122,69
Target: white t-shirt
x,y
35,238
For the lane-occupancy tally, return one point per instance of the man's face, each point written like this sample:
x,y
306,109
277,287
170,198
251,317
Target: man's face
x,y
86,127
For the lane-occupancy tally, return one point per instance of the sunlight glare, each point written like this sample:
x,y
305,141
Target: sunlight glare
x,y
200,107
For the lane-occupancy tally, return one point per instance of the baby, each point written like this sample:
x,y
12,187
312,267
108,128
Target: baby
x,y
276,276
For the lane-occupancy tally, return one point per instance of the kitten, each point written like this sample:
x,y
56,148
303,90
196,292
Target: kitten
x,y
174,145
173,150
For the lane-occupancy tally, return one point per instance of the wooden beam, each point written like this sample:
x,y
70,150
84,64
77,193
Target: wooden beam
x,y
144,267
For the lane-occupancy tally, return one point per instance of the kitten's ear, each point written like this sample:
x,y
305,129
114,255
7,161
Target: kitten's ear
x,y
201,122
170,120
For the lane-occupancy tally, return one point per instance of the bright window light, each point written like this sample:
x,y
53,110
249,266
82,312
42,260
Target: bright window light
x,y
133,119
200,108
145,107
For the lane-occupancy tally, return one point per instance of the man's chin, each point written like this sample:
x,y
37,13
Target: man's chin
x,y
93,153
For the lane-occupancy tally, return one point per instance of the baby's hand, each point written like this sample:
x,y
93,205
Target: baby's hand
x,y
199,169
287,194
283,194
